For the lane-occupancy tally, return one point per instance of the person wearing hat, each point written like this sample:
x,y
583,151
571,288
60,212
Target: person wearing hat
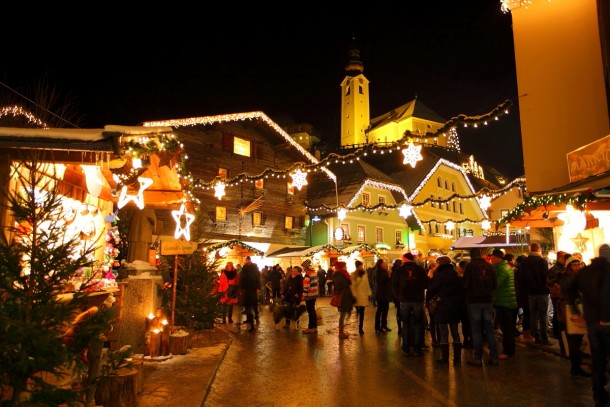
x,y
505,303
574,341
310,294
592,286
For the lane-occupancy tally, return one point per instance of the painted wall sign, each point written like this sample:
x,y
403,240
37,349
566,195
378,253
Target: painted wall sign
x,y
589,160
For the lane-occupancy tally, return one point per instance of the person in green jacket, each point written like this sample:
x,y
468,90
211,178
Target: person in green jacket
x,y
505,303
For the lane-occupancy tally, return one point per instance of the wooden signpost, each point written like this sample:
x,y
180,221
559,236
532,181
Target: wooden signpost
x,y
176,248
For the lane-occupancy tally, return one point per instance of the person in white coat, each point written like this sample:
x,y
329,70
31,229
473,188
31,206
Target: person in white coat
x,y
361,291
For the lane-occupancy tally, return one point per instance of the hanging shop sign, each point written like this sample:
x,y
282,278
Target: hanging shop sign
x,y
177,247
589,160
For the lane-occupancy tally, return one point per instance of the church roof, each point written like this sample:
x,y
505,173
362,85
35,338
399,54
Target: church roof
x,y
414,108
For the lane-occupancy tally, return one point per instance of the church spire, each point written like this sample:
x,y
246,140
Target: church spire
x,y
354,65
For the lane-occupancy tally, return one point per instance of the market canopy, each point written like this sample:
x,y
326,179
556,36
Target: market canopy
x,y
247,250
497,241
363,248
327,248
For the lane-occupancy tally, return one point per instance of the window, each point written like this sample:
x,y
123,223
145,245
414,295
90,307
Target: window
x,y
289,188
503,212
259,184
379,235
432,201
289,222
454,206
461,208
241,146
366,199
223,173
439,182
360,89
345,227
361,233
347,90
381,199
446,184
257,218
398,237
453,187
221,213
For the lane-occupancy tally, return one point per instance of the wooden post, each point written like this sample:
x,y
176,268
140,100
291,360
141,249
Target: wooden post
x,y
174,293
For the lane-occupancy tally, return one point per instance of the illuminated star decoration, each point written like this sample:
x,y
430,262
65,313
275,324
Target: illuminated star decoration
x,y
484,202
299,178
341,213
180,230
580,242
220,190
412,154
138,199
450,225
405,210
485,225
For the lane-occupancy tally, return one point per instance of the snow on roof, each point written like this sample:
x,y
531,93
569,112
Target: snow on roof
x,y
79,134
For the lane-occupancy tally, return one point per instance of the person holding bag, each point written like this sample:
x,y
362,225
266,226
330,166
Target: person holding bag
x,y
342,284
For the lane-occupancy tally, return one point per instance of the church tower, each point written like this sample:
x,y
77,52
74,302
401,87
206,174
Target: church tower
x,y
355,114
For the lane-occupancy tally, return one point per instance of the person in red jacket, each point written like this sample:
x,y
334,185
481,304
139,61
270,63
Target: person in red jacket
x,y
228,289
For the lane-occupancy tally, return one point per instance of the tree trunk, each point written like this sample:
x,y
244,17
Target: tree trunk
x,y
179,343
119,390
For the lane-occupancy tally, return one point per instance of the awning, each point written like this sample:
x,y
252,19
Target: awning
x,y
246,249
276,252
364,249
328,248
470,242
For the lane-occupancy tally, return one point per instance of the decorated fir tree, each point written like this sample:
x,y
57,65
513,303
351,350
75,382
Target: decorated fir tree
x,y
196,305
45,334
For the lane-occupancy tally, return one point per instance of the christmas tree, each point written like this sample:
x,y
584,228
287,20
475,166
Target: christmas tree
x,y
46,335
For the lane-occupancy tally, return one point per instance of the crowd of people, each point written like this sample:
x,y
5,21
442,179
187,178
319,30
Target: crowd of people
x,y
485,304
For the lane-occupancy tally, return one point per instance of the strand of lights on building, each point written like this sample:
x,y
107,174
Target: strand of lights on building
x,y
16,110
332,157
517,183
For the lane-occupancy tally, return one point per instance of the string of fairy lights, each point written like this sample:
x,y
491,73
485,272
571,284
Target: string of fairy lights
x,y
298,171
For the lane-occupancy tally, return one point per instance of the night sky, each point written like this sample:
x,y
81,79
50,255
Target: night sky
x,y
121,67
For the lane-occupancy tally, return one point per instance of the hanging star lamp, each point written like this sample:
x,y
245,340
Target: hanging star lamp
x,y
412,155
484,202
450,225
138,199
219,189
485,225
341,213
299,178
405,210
188,219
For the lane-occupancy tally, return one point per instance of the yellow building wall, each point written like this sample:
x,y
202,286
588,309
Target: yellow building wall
x,y
471,210
562,99
395,131
389,220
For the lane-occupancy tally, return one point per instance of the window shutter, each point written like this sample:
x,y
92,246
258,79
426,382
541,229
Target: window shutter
x,y
227,142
